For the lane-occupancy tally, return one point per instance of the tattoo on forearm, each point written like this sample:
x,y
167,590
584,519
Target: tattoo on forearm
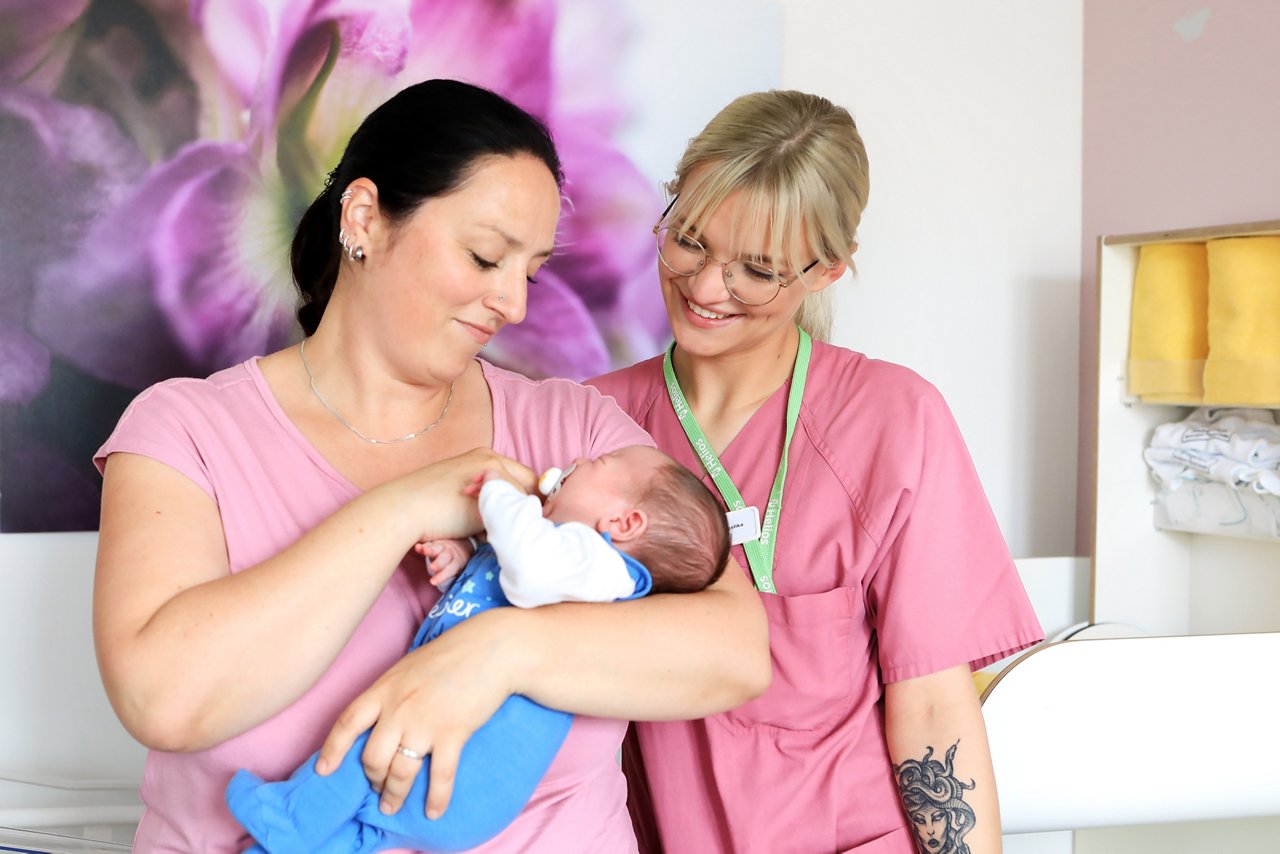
x,y
933,798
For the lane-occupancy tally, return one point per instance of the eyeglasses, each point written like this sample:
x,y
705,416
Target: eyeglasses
x,y
748,282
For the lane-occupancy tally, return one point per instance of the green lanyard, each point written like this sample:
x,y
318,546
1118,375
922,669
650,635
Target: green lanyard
x,y
759,551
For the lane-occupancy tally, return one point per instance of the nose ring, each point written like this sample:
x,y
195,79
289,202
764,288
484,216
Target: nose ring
x,y
502,298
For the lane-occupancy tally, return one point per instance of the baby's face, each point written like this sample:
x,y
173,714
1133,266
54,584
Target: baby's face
x,y
597,489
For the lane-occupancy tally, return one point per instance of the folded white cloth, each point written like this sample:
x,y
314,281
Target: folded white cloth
x,y
1237,447
1174,466
1215,508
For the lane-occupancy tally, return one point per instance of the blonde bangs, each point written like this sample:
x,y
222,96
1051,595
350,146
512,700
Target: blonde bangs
x,y
761,210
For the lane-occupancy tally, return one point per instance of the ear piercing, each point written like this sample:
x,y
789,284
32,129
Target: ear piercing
x,y
354,253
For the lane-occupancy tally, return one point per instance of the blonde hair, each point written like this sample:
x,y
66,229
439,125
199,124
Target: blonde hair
x,y
801,169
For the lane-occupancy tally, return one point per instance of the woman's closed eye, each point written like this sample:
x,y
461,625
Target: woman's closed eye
x,y
485,264
759,273
684,241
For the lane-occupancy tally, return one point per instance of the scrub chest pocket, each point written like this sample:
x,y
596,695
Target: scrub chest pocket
x,y
811,645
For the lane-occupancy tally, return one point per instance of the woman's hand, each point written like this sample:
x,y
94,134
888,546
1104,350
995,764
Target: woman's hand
x,y
473,489
436,494
430,702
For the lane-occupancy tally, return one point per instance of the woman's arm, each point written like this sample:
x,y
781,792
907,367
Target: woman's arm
x,y
667,656
664,657
938,746
190,654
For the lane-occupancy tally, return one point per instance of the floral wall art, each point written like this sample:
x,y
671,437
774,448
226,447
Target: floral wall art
x,y
157,154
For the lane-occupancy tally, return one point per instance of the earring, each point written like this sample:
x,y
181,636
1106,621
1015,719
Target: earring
x,y
347,242
346,195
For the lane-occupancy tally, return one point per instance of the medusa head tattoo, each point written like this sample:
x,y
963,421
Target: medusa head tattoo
x,y
934,801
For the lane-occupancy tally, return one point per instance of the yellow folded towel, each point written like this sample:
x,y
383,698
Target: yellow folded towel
x,y
1244,322
1168,339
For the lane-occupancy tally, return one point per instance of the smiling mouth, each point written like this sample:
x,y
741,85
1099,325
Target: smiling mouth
x,y
702,312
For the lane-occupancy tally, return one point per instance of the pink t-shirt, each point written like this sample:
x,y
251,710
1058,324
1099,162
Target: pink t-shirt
x,y
889,565
229,435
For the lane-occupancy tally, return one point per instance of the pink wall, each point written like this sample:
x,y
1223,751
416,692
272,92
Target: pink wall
x,y
1181,129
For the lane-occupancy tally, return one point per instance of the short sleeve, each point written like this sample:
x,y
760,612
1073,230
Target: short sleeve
x,y
944,589
550,422
611,428
160,424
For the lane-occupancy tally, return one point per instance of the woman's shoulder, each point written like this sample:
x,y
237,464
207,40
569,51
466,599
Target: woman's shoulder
x,y
624,382
520,390
868,415
220,384
186,412
850,383
633,388
557,409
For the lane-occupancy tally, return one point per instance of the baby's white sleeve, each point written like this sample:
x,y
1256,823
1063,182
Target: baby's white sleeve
x,y
541,562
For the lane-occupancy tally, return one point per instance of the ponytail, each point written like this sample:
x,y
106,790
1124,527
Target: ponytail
x,y
314,256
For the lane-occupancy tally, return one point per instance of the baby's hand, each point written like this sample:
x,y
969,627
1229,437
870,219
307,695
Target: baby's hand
x,y
445,558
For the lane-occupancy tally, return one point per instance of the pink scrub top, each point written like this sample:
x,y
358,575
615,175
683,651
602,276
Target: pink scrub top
x,y
230,436
889,565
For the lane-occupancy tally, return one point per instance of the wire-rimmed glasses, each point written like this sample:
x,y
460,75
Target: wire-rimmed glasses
x,y
747,281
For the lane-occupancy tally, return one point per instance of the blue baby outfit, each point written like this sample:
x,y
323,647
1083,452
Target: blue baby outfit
x,y
500,766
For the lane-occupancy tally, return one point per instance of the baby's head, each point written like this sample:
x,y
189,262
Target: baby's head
x,y
653,508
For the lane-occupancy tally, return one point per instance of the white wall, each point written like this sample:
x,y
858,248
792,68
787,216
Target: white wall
x,y
64,758
969,258
668,75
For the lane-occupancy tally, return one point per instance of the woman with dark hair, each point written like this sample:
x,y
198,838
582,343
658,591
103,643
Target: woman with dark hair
x,y
253,584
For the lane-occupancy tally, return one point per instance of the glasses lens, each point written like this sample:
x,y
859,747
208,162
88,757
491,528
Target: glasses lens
x,y
752,284
747,282
683,255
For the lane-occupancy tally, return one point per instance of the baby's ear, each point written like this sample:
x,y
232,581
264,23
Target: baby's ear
x,y
626,527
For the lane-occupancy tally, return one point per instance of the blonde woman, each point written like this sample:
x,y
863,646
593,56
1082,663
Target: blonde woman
x,y
866,533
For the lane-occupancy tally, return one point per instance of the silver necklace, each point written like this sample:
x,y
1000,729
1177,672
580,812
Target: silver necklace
x,y
302,351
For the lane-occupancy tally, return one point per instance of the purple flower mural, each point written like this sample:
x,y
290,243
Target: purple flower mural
x,y
158,153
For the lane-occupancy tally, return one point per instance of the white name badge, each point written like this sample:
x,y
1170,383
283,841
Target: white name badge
x,y
744,525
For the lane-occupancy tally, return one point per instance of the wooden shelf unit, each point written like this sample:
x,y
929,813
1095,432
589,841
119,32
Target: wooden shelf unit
x,y
1162,582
